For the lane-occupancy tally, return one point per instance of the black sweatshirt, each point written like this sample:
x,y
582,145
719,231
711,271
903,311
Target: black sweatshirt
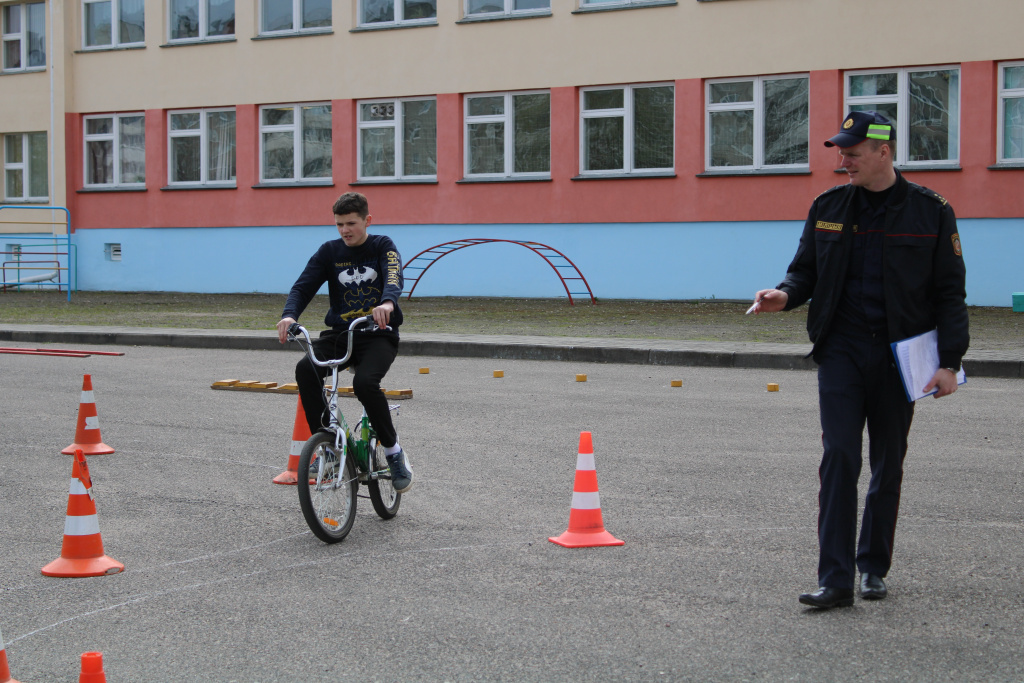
x,y
358,279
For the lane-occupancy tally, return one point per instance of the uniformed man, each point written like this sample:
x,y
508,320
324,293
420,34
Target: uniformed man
x,y
880,261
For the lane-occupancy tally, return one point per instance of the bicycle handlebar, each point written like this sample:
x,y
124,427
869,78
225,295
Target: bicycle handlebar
x,y
295,329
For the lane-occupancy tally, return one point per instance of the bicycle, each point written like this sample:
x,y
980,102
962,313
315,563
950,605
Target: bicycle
x,y
338,459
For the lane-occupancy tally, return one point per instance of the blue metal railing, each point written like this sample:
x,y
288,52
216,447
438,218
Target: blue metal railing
x,y
43,271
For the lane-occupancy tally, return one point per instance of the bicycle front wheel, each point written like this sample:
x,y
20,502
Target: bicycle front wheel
x,y
327,497
382,493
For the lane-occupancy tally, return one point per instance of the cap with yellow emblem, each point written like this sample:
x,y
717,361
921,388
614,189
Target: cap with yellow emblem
x,y
860,126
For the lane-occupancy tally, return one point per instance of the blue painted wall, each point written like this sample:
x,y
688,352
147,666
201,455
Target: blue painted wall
x,y
620,261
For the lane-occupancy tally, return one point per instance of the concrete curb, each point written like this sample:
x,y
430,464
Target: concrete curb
x,y
1003,364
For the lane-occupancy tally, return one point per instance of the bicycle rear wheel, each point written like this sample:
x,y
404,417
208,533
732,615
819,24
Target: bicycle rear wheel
x,y
382,493
327,497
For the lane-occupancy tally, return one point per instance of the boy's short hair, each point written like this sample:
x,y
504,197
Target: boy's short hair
x,y
352,202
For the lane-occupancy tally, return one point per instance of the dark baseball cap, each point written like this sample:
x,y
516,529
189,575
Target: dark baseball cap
x,y
859,126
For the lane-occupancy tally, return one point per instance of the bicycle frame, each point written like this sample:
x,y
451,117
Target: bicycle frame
x,y
345,441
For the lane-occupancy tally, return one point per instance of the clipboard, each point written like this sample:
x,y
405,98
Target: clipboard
x,y
917,359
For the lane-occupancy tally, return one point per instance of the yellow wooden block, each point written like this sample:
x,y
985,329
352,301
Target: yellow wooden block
x,y
424,371
290,387
225,383
499,373
398,393
677,382
264,385
772,386
581,378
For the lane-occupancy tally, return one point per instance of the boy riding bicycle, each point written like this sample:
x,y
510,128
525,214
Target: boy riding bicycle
x,y
364,277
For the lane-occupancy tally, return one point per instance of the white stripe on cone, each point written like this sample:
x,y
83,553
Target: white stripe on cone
x,y
585,461
85,525
586,501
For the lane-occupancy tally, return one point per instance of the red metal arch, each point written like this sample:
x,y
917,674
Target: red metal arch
x,y
554,258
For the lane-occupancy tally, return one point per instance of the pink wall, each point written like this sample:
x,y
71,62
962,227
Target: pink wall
x,y
974,191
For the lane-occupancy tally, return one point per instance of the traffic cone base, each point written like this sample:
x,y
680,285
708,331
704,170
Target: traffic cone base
x,y
300,435
578,539
82,551
87,432
586,526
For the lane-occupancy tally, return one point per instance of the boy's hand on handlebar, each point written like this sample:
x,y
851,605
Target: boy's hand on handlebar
x,y
282,329
382,314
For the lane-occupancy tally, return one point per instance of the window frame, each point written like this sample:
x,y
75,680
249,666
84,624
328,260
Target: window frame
x,y
508,120
629,132
25,168
115,137
585,5
757,106
1002,95
297,28
115,32
295,128
398,123
509,11
204,26
203,135
22,37
902,102
397,22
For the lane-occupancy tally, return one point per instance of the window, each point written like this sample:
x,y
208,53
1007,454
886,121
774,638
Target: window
x,y
924,106
295,16
199,20
758,123
295,142
1011,112
508,134
24,36
627,129
25,167
397,12
584,4
398,138
482,8
115,150
102,30
201,146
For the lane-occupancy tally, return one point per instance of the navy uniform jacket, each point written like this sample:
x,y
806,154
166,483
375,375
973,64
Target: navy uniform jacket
x,y
358,279
922,270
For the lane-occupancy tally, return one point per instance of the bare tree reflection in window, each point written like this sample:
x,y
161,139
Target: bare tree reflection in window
x,y
420,135
786,121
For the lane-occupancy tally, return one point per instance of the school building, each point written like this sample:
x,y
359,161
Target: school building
x,y
669,148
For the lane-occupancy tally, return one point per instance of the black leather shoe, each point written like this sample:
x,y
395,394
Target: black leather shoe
x,y
872,587
828,597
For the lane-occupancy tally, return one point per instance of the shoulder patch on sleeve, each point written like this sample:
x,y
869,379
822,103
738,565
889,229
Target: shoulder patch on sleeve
x,y
956,244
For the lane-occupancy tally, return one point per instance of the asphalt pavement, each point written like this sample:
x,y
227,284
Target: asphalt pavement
x,y
712,485
1007,363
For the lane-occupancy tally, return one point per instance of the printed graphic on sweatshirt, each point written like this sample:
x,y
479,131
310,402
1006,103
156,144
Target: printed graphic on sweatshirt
x,y
361,289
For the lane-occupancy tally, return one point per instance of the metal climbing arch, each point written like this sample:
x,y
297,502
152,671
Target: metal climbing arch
x,y
563,266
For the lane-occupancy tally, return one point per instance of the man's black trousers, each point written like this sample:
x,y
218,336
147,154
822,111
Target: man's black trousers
x,y
372,355
857,383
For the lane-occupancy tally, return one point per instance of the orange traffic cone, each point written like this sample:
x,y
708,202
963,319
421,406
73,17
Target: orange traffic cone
x,y
92,668
82,552
586,528
300,434
5,672
87,433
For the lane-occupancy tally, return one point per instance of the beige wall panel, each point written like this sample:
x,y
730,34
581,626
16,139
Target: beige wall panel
x,y
25,102
688,40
